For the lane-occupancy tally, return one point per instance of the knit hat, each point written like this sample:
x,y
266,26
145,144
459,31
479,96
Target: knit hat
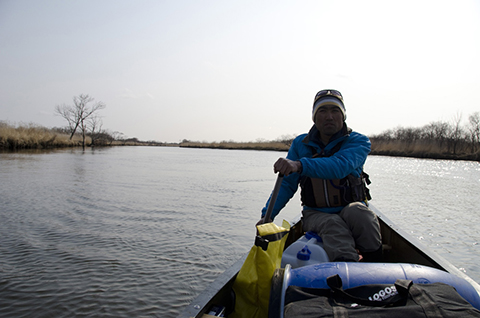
x,y
328,97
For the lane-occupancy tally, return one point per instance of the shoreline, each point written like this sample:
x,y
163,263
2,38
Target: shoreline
x,y
34,137
389,153
376,150
264,146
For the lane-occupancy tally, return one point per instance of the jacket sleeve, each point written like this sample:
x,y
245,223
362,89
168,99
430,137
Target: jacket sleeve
x,y
289,184
349,159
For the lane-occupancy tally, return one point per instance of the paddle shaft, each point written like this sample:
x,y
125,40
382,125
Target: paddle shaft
x,y
271,204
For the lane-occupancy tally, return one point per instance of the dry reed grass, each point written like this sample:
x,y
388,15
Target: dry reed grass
x,y
266,145
31,136
406,147
418,149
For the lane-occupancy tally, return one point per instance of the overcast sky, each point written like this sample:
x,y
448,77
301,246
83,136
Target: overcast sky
x,y
213,70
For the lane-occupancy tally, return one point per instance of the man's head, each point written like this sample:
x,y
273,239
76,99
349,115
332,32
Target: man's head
x,y
328,97
328,113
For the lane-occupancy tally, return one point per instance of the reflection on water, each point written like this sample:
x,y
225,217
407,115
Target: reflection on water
x,y
434,200
138,231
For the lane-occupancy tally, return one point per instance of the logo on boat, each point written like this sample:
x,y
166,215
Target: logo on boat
x,y
383,294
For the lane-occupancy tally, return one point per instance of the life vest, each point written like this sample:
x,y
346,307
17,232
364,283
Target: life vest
x,y
321,193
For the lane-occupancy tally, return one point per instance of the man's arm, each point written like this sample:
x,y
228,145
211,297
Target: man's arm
x,y
350,158
290,181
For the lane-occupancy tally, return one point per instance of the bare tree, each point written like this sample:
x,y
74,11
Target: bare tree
x,y
94,126
76,116
437,132
456,133
474,130
116,135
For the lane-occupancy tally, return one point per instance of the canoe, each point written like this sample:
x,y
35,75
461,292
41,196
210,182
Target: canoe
x,y
400,250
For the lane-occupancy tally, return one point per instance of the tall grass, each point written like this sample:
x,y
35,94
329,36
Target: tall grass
x,y
262,145
32,136
420,149
392,147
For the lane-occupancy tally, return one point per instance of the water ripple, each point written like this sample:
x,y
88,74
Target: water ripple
x,y
139,231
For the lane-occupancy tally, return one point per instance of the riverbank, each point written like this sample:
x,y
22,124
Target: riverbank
x,y
381,148
264,145
36,137
31,136
419,149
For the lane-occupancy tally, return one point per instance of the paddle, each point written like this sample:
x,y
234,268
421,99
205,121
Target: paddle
x,y
276,189
253,281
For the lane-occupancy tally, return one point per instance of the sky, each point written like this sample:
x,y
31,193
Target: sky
x,y
216,70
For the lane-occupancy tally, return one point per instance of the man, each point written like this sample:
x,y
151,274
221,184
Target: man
x,y
328,164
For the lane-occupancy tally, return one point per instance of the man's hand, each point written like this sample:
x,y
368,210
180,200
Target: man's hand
x,y
287,166
262,221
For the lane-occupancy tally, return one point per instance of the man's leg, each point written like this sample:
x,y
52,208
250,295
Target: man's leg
x,y
363,224
337,238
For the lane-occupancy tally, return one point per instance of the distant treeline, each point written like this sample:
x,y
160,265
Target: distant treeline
x,y
275,145
437,140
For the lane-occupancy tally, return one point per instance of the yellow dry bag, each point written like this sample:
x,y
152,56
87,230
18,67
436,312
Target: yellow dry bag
x,y
252,285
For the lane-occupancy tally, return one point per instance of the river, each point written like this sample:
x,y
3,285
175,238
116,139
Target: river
x,y
140,231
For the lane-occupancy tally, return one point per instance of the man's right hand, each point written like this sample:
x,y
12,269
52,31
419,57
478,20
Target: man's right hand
x,y
286,166
262,221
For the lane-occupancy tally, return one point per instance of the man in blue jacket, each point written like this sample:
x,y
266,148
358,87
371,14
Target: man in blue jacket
x,y
327,163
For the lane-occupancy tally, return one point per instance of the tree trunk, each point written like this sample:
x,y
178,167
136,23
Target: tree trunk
x,y
83,135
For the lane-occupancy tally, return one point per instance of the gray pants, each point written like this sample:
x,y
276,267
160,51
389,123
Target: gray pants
x,y
355,227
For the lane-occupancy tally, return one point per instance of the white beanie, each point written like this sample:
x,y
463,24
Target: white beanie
x,y
328,99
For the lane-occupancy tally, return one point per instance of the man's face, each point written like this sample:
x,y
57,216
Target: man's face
x,y
328,120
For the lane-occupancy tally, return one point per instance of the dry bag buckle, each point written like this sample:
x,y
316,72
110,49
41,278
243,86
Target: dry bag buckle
x,y
262,242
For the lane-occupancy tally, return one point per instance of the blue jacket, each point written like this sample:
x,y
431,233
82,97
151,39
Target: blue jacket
x,y
349,159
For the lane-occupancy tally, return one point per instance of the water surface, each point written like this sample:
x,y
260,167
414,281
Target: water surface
x,y
140,231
